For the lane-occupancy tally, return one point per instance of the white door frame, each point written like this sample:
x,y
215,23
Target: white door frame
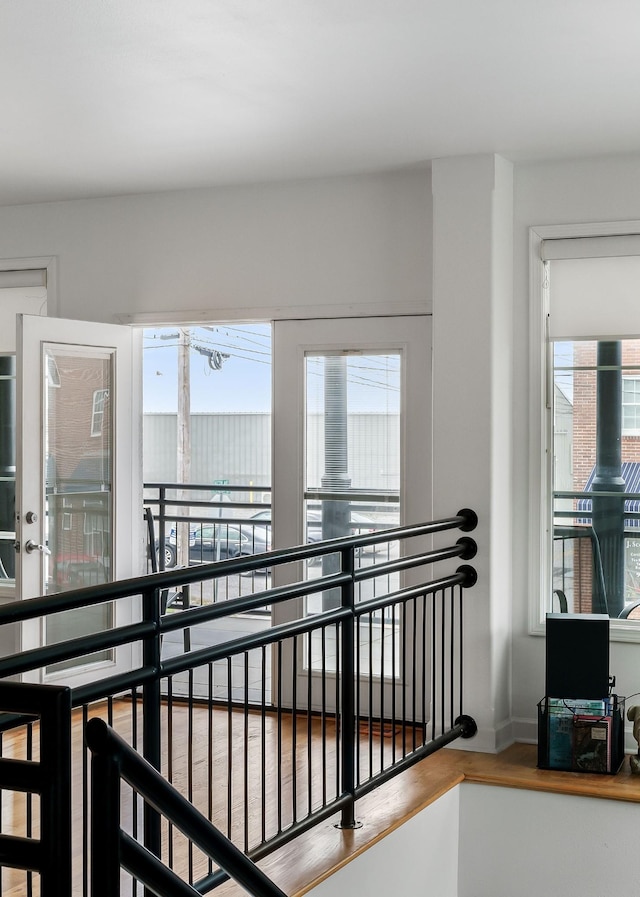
x,y
33,333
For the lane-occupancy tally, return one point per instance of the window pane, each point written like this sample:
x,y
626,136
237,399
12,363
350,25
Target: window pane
x,y
7,468
78,478
596,475
353,450
207,428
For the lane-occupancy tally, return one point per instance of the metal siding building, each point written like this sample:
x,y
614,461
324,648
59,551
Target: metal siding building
x,y
237,447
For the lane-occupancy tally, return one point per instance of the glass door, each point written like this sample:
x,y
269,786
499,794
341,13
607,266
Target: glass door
x,y
350,460
78,487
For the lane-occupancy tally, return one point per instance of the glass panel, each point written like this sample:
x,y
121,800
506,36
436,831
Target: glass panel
x,y
207,427
353,448
78,475
7,469
596,476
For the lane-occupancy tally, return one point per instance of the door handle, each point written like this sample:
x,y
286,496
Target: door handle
x,y
30,546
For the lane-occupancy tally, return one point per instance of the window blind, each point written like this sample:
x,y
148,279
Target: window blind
x,y
594,287
36,277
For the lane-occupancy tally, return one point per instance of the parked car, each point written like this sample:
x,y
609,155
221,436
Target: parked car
x,y
218,541
360,524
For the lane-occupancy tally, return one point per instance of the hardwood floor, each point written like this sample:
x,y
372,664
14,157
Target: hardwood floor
x,y
297,867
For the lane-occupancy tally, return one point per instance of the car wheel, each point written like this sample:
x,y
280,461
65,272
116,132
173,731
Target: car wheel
x,y
169,556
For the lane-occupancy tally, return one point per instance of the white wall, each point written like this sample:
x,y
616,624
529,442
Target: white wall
x,y
334,242
530,843
485,841
578,191
472,299
419,859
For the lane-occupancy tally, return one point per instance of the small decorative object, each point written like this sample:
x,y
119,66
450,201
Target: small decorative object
x,y
633,714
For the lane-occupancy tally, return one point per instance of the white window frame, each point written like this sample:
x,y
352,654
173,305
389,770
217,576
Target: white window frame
x,y
541,422
630,431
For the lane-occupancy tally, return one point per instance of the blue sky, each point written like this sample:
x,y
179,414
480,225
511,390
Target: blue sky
x,y
243,382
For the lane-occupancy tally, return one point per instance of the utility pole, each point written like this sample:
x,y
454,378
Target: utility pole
x,y
184,439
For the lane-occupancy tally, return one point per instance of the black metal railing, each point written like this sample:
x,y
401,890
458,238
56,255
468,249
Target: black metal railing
x,y
265,731
115,762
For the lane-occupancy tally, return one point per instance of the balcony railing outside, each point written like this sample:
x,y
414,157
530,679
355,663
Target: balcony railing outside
x,y
579,581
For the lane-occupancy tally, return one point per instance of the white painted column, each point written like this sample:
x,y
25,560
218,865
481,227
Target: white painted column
x,y
472,411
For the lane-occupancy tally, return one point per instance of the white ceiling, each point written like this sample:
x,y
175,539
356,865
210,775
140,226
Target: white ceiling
x,y
102,97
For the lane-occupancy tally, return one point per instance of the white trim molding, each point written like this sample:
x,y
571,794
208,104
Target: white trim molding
x,y
278,313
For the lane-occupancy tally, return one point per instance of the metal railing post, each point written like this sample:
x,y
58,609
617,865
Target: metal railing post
x,y
56,795
151,699
347,717
105,823
162,528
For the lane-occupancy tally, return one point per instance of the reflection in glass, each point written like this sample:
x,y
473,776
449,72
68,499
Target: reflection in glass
x,y
78,440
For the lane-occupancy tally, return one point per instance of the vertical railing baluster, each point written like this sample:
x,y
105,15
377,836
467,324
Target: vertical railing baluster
x,y
210,750
55,802
309,733
357,686
85,802
434,621
382,637
460,651
347,716
190,760
338,709
134,794
230,764
323,713
395,626
162,526
424,673
443,695
245,771
151,698
279,739
294,733
170,761
452,714
370,689
263,744
414,661
403,666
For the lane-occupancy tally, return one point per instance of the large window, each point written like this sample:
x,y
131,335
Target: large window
x,y
592,484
